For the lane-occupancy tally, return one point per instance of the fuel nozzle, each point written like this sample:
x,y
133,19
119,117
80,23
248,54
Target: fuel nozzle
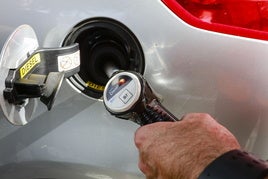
x,y
127,95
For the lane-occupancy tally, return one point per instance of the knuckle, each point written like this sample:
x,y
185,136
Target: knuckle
x,y
198,119
140,136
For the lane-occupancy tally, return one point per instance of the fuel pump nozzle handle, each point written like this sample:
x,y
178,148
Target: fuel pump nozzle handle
x,y
127,95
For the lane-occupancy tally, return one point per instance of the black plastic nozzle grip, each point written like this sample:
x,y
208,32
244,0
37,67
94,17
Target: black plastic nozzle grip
x,y
155,112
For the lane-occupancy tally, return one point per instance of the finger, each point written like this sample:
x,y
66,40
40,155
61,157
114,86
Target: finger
x,y
144,168
147,166
190,116
140,136
196,116
150,132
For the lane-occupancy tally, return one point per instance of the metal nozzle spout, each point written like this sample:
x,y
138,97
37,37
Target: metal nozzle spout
x,y
110,69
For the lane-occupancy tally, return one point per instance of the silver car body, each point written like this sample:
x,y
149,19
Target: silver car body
x,y
194,70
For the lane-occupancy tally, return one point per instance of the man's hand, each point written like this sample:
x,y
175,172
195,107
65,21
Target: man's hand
x,y
181,150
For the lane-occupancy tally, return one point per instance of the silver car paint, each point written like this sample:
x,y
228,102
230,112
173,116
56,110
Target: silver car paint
x,y
194,70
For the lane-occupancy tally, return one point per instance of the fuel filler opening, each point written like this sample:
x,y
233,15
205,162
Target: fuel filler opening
x,y
106,45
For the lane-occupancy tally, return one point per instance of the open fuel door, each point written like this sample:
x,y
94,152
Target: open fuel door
x,y
29,73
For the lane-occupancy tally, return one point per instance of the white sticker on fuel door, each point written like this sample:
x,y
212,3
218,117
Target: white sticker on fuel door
x,y
68,62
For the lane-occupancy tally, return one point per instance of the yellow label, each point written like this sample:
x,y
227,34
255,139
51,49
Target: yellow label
x,y
29,65
95,86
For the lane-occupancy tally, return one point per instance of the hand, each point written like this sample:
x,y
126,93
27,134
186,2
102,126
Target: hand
x,y
182,150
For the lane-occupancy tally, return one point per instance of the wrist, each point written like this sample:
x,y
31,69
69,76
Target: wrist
x,y
235,164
